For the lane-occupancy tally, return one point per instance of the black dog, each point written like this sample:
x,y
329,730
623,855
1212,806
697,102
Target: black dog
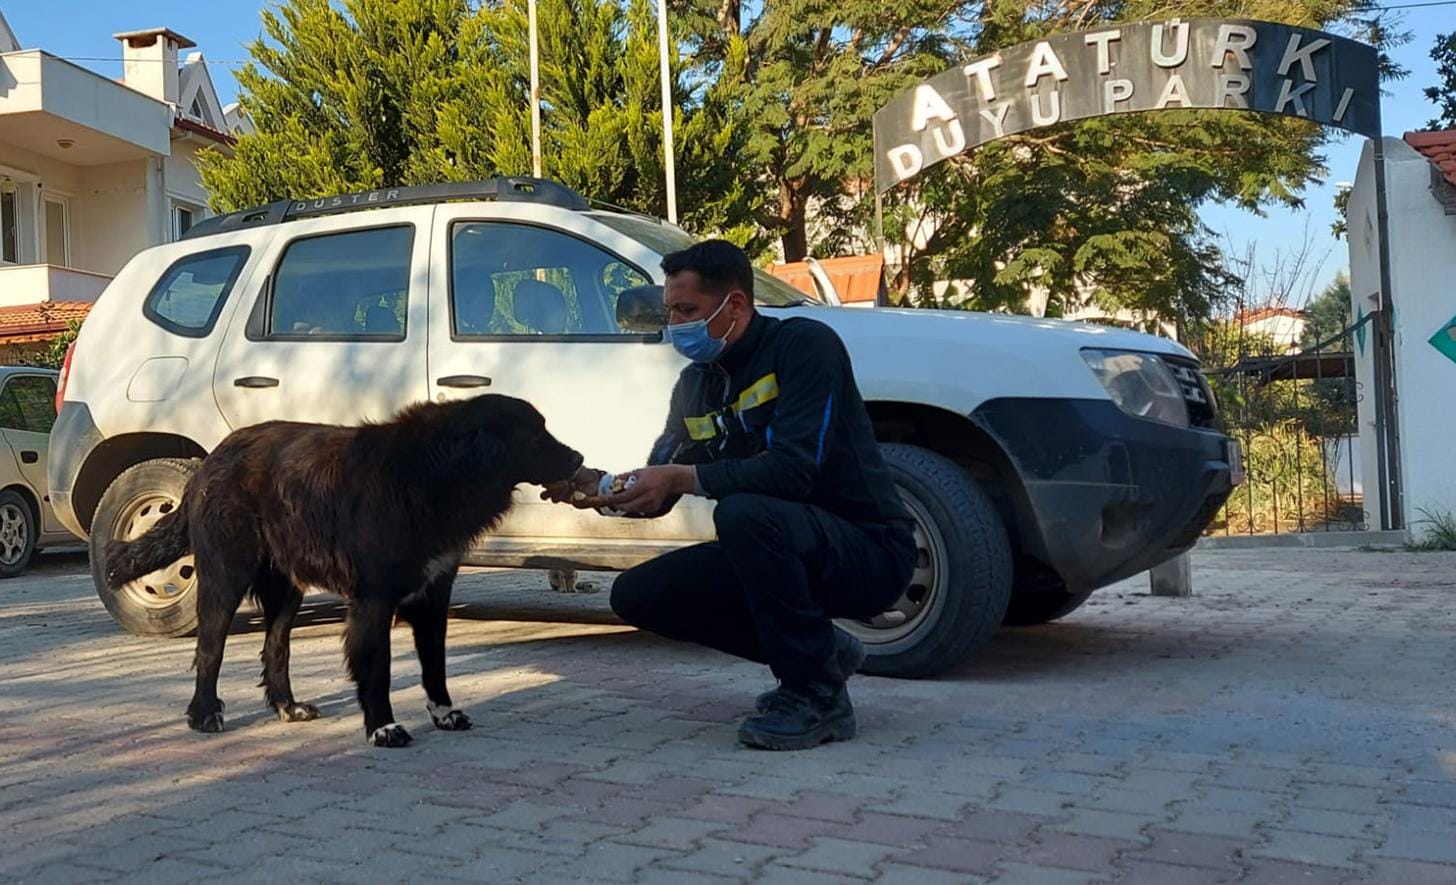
x,y
379,514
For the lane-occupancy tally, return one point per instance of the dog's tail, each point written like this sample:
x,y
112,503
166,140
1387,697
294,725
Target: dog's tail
x,y
164,543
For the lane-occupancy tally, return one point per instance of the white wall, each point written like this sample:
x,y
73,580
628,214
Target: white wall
x,y
98,103
114,218
32,283
1284,331
183,181
1423,288
108,206
34,175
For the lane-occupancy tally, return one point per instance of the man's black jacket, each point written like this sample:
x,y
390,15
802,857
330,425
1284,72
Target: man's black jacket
x,y
779,414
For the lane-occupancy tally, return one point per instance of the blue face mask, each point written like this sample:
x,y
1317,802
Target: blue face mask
x,y
693,341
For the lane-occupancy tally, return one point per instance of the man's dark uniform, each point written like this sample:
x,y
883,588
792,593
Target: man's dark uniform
x,y
809,523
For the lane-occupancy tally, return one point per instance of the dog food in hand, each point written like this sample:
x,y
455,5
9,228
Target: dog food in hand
x,y
613,484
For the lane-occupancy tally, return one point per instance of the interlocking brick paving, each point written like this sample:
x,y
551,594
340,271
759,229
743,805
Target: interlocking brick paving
x,y
1292,722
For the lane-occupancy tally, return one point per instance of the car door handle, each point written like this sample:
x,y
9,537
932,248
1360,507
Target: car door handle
x,y
30,457
463,381
255,381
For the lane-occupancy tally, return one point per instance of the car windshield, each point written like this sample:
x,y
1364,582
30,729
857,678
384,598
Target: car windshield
x,y
662,238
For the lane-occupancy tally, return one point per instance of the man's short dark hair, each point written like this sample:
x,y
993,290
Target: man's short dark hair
x,y
721,266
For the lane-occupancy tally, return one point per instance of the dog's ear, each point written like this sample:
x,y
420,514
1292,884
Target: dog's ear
x,y
466,451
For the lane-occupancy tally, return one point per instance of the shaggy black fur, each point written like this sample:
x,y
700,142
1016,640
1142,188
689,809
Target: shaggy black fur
x,y
379,514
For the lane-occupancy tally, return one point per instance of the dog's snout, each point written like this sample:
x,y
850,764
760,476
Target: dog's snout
x,y
554,460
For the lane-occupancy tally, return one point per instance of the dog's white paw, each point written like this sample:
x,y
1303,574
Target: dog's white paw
x,y
448,718
391,735
296,712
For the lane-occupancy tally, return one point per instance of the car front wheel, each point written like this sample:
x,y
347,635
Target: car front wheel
x,y
163,603
962,581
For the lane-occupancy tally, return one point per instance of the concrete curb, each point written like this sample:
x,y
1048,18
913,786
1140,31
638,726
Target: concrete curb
x,y
1306,540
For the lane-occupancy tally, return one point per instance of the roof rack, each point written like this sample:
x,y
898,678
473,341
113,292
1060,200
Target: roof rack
x,y
623,210
503,189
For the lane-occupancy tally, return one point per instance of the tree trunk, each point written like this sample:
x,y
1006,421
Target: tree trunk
x,y
794,222
730,17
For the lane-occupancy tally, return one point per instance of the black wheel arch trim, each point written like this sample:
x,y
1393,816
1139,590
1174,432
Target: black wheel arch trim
x,y
1108,495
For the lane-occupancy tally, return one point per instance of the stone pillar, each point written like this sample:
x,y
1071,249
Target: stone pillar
x,y
1173,578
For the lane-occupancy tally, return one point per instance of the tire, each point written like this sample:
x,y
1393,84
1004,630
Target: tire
x,y
17,533
963,578
1030,609
163,603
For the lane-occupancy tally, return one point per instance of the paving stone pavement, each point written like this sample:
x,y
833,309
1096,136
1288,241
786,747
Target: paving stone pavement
x,y
1291,723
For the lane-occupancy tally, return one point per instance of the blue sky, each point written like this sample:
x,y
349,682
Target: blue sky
x,y
82,29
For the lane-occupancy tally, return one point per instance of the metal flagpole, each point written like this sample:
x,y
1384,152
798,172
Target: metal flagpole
x,y
668,162
535,92
1387,417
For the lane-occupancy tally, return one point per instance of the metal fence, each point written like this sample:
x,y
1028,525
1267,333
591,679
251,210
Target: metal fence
x,y
1296,415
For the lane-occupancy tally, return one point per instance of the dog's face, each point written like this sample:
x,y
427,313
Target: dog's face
x,y
532,453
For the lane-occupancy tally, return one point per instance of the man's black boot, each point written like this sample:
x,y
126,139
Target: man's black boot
x,y
800,718
849,655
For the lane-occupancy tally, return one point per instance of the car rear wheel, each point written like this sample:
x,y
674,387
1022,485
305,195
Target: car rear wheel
x,y
962,580
17,533
163,603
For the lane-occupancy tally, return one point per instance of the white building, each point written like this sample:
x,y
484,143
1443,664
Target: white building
x,y
1421,187
1283,327
94,170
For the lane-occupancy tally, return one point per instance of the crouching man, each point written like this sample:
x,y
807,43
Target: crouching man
x,y
769,422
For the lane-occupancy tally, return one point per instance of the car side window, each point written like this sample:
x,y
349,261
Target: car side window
x,y
190,295
348,285
28,402
518,280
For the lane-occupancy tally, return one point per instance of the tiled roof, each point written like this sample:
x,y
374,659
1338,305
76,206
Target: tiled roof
x,y
857,278
1440,148
187,124
30,322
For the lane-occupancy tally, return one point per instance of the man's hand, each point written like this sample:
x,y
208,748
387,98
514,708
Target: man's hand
x,y
653,487
580,491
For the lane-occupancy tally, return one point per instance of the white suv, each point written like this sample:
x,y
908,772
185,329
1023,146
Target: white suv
x,y
1041,459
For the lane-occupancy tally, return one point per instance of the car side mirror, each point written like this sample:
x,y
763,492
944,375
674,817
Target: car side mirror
x,y
640,309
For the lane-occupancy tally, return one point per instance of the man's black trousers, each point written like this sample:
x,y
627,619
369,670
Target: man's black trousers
x,y
768,587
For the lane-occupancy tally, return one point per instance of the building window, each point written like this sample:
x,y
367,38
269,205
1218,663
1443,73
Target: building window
x,y
57,231
9,232
182,219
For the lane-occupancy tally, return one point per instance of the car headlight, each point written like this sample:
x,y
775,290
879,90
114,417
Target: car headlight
x,y
1141,384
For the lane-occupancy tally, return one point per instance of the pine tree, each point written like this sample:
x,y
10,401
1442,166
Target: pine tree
x,y
371,93
805,77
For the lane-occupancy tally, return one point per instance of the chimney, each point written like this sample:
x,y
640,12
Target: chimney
x,y
150,61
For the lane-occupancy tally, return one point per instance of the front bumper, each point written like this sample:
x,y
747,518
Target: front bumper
x,y
1106,495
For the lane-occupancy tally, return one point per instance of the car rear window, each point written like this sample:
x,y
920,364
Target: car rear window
x,y
190,295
